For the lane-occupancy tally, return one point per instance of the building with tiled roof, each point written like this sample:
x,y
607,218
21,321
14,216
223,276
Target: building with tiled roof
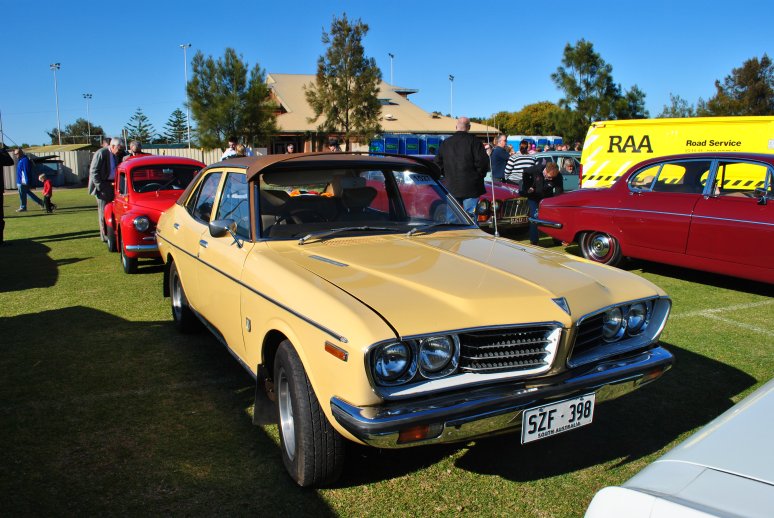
x,y
399,115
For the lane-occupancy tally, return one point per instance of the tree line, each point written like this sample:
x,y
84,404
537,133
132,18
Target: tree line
x,y
228,98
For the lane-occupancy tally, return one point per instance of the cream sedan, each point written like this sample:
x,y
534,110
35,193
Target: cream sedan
x,y
369,307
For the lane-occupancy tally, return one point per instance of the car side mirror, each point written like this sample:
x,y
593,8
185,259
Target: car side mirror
x,y
221,227
763,198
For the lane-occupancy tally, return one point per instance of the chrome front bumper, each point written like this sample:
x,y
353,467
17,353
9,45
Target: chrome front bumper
x,y
143,248
545,223
493,410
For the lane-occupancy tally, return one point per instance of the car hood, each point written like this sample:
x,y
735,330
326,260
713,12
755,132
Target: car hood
x,y
156,201
502,190
462,279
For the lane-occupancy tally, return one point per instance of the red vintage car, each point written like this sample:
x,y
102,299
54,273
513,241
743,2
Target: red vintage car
x,y
145,186
509,207
707,211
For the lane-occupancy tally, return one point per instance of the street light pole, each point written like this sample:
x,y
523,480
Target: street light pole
x,y
55,67
185,47
392,56
88,122
451,95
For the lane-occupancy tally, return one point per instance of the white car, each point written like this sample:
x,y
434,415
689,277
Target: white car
x,y
725,469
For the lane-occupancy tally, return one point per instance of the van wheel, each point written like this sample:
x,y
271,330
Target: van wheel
x,y
600,247
312,451
182,315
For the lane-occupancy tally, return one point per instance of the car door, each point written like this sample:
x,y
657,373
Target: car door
x,y
734,224
188,226
656,213
223,259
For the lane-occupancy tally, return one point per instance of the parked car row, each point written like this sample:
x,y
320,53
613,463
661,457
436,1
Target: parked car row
x,y
369,307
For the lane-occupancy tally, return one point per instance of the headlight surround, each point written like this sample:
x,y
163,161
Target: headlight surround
x,y
482,207
438,356
636,318
141,223
394,363
613,324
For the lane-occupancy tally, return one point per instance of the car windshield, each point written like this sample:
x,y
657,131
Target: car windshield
x,y
167,177
294,204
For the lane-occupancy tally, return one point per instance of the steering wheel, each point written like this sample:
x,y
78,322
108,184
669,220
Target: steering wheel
x,y
301,216
150,187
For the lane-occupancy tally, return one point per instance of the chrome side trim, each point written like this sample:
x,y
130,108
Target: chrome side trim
x,y
545,223
334,334
142,248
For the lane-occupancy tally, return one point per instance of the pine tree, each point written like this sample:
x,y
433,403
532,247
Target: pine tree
x,y
225,102
176,128
140,128
346,89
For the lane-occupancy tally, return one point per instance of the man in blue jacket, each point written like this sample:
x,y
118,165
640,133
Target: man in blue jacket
x,y
24,177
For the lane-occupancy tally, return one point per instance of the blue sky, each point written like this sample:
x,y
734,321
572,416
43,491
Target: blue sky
x,y
127,55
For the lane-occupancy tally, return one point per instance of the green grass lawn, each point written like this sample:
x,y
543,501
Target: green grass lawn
x,y
105,409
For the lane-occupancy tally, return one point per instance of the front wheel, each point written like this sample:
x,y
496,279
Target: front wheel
x,y
600,248
129,263
312,451
110,238
184,318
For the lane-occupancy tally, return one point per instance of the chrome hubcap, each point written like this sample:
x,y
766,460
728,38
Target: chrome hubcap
x,y
287,427
600,246
177,298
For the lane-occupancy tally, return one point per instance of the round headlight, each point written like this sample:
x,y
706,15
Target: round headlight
x,y
141,223
497,205
482,207
392,361
636,318
612,324
435,354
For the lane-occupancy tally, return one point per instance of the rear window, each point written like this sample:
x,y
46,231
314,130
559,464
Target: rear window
x,y
163,177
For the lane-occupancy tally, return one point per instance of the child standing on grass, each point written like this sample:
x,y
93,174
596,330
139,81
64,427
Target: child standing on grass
x,y
47,192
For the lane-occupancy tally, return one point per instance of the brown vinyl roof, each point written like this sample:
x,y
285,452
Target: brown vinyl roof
x,y
399,114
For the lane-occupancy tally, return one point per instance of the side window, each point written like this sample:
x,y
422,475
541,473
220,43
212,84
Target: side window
x,y
205,198
122,183
741,179
689,177
234,203
643,179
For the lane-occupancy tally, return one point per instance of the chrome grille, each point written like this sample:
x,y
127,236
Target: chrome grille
x,y
505,349
589,334
514,207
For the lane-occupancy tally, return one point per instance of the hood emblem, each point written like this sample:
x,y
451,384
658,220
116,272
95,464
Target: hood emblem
x,y
562,303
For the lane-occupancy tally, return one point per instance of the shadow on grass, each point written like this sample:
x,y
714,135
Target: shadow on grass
x,y
25,264
84,234
105,414
699,277
694,392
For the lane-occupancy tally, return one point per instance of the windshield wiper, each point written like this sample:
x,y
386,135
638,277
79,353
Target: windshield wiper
x,y
325,233
425,228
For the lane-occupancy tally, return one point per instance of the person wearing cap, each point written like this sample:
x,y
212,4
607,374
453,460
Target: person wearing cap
x,y
24,179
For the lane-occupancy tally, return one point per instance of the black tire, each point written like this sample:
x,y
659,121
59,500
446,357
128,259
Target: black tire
x,y
600,248
111,240
129,263
312,451
184,318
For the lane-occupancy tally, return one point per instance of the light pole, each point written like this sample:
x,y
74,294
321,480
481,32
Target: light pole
x,y
392,56
55,67
88,123
185,47
451,95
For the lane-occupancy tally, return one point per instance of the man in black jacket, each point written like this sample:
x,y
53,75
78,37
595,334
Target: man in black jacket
x,y
464,163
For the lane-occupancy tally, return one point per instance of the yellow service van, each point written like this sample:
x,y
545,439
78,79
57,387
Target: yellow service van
x,y
611,147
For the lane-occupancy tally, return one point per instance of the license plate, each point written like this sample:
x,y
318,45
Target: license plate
x,y
547,420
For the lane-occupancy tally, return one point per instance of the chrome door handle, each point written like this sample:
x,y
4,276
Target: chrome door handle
x,y
203,243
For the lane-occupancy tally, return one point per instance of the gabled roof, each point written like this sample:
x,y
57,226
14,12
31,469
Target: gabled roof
x,y
399,115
